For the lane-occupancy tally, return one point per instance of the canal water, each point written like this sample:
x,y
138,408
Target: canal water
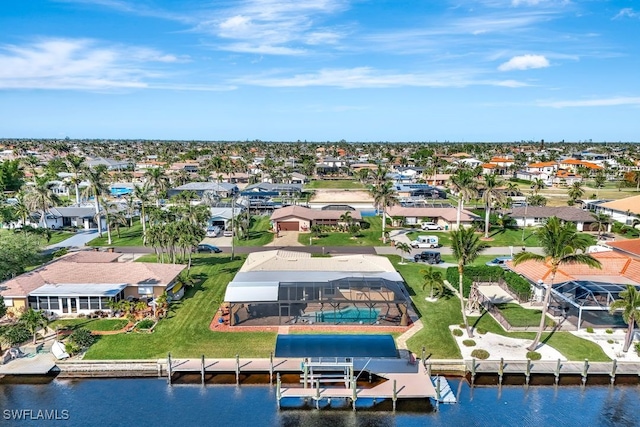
x,y
151,402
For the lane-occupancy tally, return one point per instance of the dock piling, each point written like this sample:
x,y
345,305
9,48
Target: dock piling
x,y
317,394
354,396
528,372
395,394
473,371
278,390
424,358
169,370
202,370
237,369
500,370
585,371
614,367
271,368
438,396
556,373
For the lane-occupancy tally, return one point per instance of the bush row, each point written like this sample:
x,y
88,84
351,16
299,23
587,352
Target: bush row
x,y
518,284
482,273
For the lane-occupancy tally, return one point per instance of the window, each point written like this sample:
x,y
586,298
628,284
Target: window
x,y
33,303
94,303
54,303
329,291
43,303
8,302
104,301
84,303
145,290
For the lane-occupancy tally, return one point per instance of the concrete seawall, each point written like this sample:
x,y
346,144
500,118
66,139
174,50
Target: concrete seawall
x,y
111,368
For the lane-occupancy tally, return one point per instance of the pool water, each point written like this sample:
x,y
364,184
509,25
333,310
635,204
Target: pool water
x,y
349,315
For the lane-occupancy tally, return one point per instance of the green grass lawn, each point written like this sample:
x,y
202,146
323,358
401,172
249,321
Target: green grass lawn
x,y
259,234
185,332
91,324
518,316
343,184
59,236
371,236
481,260
129,236
437,316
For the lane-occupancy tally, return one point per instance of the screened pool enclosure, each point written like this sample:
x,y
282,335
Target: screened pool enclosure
x,y
586,303
282,298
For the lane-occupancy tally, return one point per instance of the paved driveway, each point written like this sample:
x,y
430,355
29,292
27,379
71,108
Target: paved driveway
x,y
78,240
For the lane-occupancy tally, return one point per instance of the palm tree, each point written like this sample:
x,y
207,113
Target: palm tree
x,y
434,281
384,196
21,208
575,192
403,247
599,179
33,320
466,246
97,178
76,167
537,185
346,219
600,223
561,244
107,217
491,193
512,189
463,184
629,303
158,181
143,194
41,197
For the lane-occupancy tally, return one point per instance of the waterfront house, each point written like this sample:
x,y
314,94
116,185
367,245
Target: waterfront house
x,y
300,218
285,288
84,282
445,217
221,189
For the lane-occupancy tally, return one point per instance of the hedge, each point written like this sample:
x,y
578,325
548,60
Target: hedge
x,y
482,273
518,284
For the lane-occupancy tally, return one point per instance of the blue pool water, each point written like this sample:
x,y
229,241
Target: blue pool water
x,y
151,402
348,315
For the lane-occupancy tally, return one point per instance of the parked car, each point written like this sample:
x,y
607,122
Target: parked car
x,y
228,233
430,226
213,231
425,242
208,249
500,261
430,257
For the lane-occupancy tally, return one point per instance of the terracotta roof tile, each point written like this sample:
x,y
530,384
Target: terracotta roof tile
x,y
631,246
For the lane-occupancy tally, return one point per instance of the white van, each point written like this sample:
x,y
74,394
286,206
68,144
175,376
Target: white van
x,y
425,242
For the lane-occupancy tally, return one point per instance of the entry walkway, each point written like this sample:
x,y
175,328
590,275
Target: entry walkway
x,y
78,240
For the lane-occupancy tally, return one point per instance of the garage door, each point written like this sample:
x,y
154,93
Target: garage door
x,y
289,226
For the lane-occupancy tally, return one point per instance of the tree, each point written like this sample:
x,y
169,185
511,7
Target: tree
x,y
158,181
11,176
561,244
15,334
77,168
434,281
537,185
3,308
576,191
466,246
143,194
464,185
537,200
403,248
346,220
97,178
600,222
491,194
600,179
629,303
82,338
17,252
33,320
383,196
40,197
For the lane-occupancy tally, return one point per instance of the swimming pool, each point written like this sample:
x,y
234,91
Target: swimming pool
x,y
351,314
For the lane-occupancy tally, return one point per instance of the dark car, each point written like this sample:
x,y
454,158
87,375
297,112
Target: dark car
x,y
208,248
430,257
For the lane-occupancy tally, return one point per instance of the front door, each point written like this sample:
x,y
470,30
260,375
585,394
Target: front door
x,y
74,305
65,305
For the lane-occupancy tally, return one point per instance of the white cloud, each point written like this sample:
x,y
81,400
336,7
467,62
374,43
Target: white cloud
x,y
627,12
80,64
601,102
366,77
524,62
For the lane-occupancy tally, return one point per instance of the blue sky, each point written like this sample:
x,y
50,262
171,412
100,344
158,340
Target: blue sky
x,y
321,70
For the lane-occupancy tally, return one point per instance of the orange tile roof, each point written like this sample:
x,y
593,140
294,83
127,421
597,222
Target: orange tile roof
x,y
542,164
614,265
631,204
566,174
501,159
489,166
572,162
631,246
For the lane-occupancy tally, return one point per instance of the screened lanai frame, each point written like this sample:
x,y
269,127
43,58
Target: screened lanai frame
x,y
347,300
583,298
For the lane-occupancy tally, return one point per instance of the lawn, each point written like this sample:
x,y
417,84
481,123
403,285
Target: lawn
x,y
56,236
437,316
259,234
91,324
371,236
185,332
343,184
520,317
129,236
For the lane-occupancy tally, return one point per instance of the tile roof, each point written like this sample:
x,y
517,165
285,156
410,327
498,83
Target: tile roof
x,y
310,214
615,267
566,213
542,164
622,205
79,270
279,260
631,246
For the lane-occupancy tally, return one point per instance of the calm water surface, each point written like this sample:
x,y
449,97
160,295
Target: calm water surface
x,y
151,402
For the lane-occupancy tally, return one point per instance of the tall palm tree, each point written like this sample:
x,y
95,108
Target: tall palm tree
x,y
463,184
383,196
76,167
41,197
346,219
561,244
143,194
434,281
490,195
21,207
158,181
404,248
600,222
33,320
629,303
576,191
97,178
466,246
106,206
537,185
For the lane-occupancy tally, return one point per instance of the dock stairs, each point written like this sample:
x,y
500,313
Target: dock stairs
x,y
444,394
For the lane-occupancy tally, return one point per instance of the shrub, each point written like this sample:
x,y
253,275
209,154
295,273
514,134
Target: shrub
x,y
60,252
457,332
518,284
637,347
609,331
145,324
589,330
482,273
479,353
481,331
610,341
82,338
469,343
16,334
533,355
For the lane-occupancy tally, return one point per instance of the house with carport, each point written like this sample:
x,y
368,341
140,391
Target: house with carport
x,y
300,218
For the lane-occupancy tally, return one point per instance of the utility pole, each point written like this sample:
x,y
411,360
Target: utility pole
x,y
233,228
